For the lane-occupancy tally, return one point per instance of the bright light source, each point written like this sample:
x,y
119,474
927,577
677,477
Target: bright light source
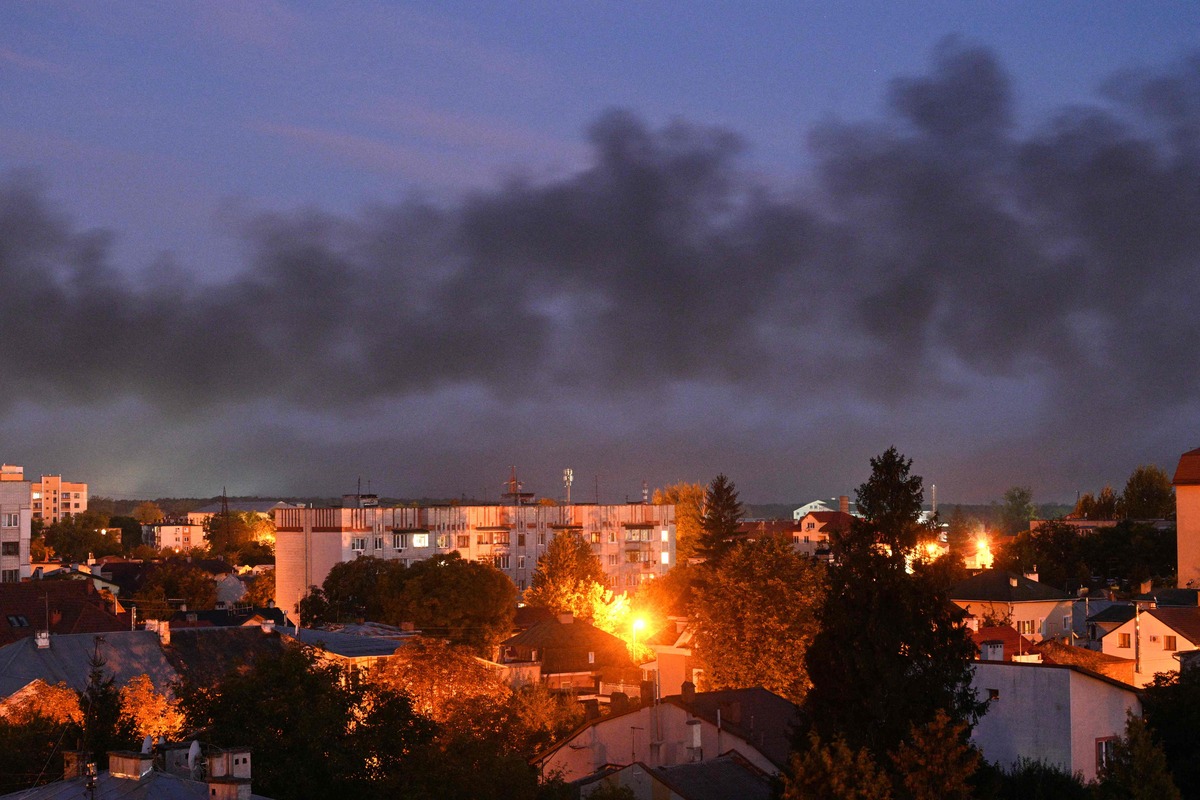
x,y
639,624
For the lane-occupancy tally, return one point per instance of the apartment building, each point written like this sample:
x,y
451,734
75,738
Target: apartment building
x,y
15,520
53,498
635,542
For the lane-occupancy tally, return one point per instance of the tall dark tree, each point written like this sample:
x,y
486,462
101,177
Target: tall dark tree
x,y
719,523
1017,510
104,728
892,650
1171,706
1148,494
1137,767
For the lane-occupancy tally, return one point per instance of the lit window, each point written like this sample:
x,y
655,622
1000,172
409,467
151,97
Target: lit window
x,y
420,540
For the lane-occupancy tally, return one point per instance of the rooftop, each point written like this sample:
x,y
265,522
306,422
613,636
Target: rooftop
x,y
997,586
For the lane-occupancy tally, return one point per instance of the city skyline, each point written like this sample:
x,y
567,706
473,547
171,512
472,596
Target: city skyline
x,y
278,248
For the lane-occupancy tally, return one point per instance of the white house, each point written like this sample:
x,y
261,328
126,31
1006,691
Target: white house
x,y
1060,714
1152,638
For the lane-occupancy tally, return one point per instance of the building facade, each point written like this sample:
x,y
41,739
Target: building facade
x,y
52,498
634,542
15,520
1187,518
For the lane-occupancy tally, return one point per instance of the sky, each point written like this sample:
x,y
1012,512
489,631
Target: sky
x,y
278,248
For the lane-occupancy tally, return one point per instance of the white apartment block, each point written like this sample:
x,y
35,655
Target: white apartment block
x,y
634,542
175,535
15,520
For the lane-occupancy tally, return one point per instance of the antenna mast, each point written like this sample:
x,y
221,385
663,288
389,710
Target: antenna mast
x,y
568,479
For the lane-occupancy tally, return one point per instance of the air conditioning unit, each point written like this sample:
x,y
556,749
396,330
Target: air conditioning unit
x,y
357,553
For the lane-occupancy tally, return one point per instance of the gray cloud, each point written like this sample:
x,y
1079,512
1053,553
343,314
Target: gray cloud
x,y
937,243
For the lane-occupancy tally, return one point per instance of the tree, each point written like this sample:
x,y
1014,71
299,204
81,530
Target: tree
x,y
463,601
261,589
891,649
104,726
835,772
688,499
131,531
1137,767
446,683
30,754
148,513
175,579
719,523
228,532
1148,494
1017,510
566,577
1053,549
1037,780
937,762
354,590
756,616
314,732
147,712
1171,708
76,536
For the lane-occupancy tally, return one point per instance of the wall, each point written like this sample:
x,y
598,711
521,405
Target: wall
x,y
1187,522
1049,713
14,500
1154,656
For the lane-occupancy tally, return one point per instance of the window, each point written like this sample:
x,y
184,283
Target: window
x,y
520,540
520,562
1104,751
666,557
12,520
464,540
483,538
1025,627
591,656
993,694
443,541
502,562
399,541
541,539
378,542
18,621
809,526
1066,622
420,540
666,535
594,537
358,543
1170,643
612,559
14,549
612,537
10,575
500,537
1123,641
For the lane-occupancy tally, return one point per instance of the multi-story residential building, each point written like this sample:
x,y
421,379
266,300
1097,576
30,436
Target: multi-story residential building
x,y
15,520
53,498
634,542
175,534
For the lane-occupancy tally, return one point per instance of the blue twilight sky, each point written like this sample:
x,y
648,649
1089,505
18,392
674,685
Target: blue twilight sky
x,y
279,246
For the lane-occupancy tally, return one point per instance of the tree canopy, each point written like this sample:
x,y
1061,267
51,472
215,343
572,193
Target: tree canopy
x,y
891,650
567,577
756,616
719,523
1148,494
1017,510
688,499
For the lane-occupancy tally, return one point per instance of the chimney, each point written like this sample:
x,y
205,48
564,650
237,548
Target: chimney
x,y
1033,576
268,626
566,619
688,692
42,640
844,504
162,627
75,764
128,764
1012,581
229,775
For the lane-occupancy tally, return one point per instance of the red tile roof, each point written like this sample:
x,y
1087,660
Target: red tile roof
x,y
1188,471
72,607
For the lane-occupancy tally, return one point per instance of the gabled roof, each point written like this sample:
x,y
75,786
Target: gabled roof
x,y
154,786
1173,598
1118,613
832,520
72,607
728,775
205,655
998,586
127,654
1186,621
346,645
757,715
1188,471
1014,643
564,647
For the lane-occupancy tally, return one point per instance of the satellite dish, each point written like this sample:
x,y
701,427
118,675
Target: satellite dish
x,y
147,743
193,754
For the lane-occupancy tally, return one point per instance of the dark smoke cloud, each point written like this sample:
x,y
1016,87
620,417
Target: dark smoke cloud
x,y
940,242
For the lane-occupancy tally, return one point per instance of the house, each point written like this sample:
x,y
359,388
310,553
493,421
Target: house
x,y
1034,609
844,505
674,664
66,658
1053,651
814,529
688,728
177,772
52,498
572,654
716,779
1063,715
1153,637
346,649
1105,621
60,607
174,534
1003,643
